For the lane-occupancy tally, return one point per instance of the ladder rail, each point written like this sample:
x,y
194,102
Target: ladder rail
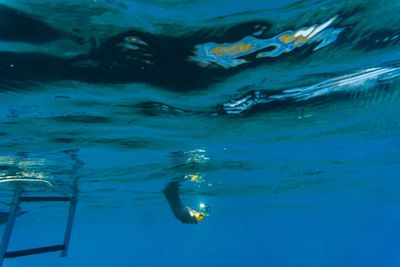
x,y
33,251
19,198
10,225
68,229
44,199
71,215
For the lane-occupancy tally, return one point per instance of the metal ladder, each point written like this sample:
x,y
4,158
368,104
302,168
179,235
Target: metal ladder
x,y
20,198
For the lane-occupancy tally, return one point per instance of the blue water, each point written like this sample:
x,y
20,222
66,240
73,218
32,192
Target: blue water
x,y
281,116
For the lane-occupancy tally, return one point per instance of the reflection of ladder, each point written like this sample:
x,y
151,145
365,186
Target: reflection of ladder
x,y
19,198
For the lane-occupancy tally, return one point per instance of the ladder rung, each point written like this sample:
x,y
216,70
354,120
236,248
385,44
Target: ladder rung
x,y
38,199
26,252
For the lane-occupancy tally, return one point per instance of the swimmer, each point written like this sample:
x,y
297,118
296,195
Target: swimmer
x,y
183,213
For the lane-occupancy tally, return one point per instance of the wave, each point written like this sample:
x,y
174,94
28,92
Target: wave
x,y
359,81
198,59
266,99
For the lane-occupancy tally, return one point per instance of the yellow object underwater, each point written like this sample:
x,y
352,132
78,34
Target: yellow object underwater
x,y
194,178
199,216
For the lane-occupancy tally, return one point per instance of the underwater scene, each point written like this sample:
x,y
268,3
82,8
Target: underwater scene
x,y
199,133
